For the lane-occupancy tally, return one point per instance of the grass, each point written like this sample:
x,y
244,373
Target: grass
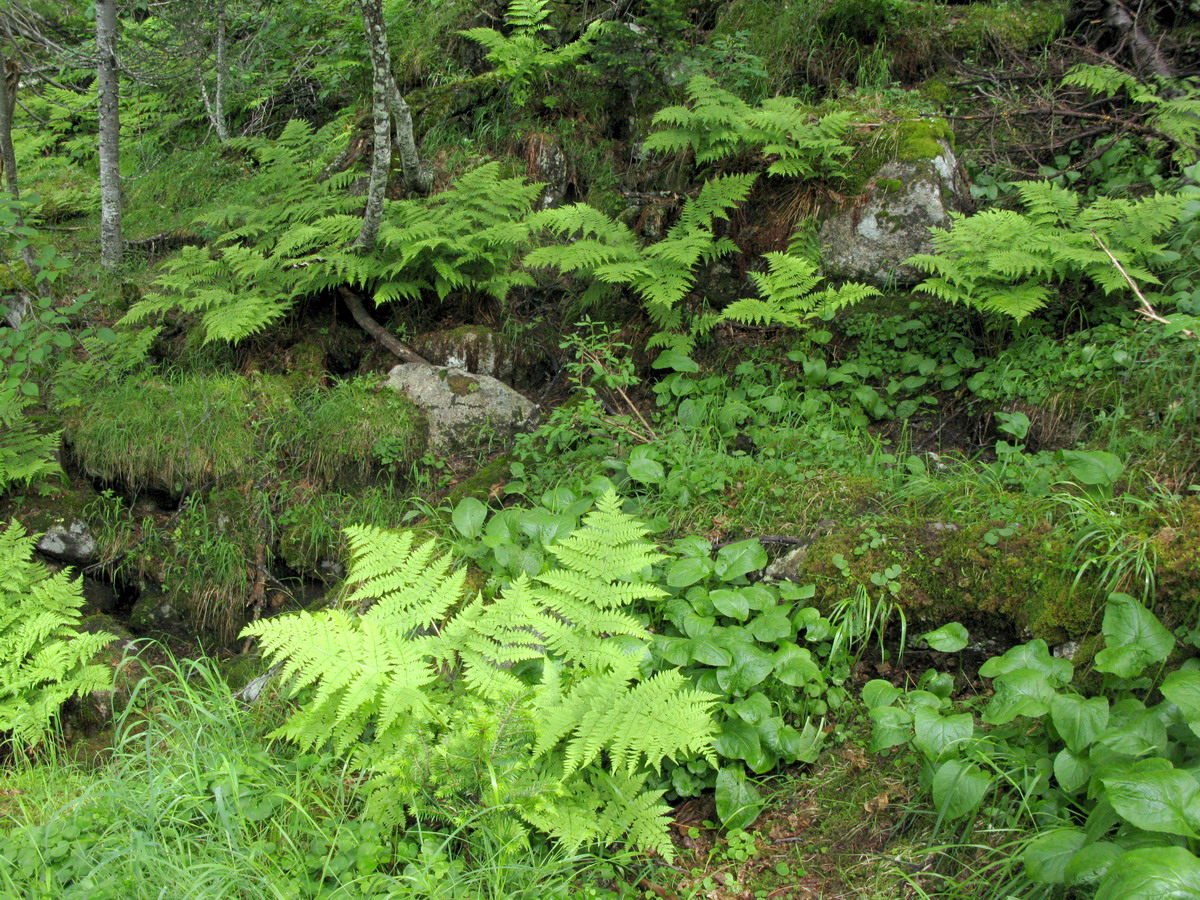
x,y
196,800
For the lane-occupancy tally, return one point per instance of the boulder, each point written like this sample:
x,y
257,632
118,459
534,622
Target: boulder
x,y
906,196
482,351
463,408
71,542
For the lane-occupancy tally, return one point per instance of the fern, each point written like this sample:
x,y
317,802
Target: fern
x,y
661,274
545,680
1174,113
295,240
716,124
43,659
1006,262
522,56
788,297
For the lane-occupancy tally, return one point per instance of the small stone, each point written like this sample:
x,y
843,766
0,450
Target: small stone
x,y
72,543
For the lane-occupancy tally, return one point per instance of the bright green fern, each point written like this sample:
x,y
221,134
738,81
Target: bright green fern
x,y
533,704
716,124
661,274
1007,262
44,660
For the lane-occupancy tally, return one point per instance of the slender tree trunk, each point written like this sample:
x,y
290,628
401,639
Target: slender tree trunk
x,y
215,107
381,159
401,116
110,134
10,74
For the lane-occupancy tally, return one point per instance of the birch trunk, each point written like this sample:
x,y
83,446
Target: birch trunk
x,y
10,73
111,246
215,107
381,159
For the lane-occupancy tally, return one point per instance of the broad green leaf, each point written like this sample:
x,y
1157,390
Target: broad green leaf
x,y
1133,636
939,736
1078,721
707,651
673,359
1071,771
730,603
948,639
468,518
893,726
1093,467
1182,687
740,559
753,709
1091,863
675,650
689,571
646,471
877,693
738,801
1047,856
1159,873
773,625
737,739
749,667
1155,798
799,746
1034,655
795,666
1022,692
958,788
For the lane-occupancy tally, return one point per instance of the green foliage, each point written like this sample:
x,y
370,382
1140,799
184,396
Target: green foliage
x,y
1174,106
522,57
717,124
44,660
788,296
553,663
1101,781
294,239
1006,262
661,274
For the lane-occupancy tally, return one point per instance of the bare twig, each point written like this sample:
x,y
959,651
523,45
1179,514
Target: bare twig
x,y
370,326
1144,307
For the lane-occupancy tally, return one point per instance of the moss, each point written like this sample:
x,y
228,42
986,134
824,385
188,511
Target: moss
x,y
952,573
1021,26
921,139
889,185
240,670
482,483
1178,568
172,435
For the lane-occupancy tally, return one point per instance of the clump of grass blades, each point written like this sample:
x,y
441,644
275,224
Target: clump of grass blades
x,y
194,796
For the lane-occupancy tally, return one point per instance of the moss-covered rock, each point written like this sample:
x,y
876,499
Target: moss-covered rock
x,y
483,484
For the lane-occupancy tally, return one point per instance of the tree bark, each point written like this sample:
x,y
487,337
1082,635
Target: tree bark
x,y
215,107
381,159
10,74
111,246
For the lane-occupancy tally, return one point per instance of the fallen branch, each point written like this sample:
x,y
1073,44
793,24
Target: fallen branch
x,y
1144,307
382,335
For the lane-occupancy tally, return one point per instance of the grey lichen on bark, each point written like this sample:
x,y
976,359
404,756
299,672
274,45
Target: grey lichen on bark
x,y
111,245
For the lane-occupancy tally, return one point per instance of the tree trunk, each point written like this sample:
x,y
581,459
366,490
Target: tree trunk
x,y
215,107
110,134
381,159
381,68
10,74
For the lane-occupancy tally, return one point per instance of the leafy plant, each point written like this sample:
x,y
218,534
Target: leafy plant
x,y
44,660
717,124
522,56
549,671
1002,261
1102,781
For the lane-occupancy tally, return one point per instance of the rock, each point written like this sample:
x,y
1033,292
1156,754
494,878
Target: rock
x,y
482,351
548,164
906,197
70,542
461,406
154,613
